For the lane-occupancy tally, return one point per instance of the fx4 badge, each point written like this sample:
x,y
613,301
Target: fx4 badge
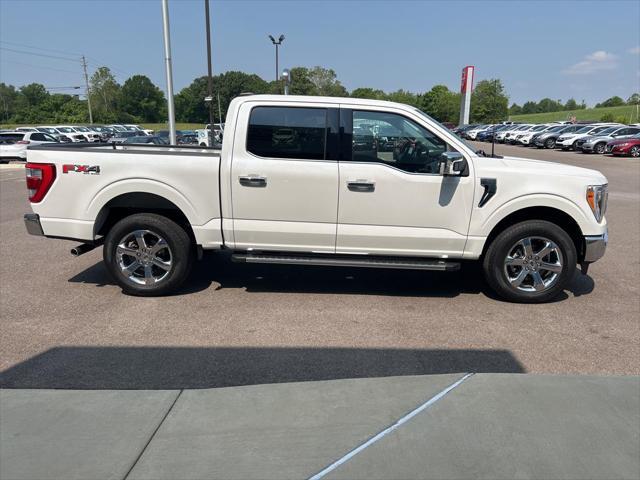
x,y
85,169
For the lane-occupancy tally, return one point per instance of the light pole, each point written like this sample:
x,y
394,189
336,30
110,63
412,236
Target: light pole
x,y
277,43
209,98
169,71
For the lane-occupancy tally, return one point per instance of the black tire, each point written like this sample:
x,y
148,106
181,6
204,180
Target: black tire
x,y
599,148
495,271
550,143
179,252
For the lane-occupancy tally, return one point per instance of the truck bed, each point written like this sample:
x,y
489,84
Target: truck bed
x,y
90,178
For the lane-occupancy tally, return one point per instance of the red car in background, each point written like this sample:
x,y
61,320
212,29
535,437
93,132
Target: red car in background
x,y
624,146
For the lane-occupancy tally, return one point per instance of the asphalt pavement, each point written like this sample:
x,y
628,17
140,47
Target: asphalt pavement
x,y
66,325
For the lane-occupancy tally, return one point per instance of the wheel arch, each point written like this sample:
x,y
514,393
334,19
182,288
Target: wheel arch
x,y
546,213
130,203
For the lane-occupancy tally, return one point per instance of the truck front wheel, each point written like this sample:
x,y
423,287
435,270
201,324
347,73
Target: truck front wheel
x,y
530,262
148,254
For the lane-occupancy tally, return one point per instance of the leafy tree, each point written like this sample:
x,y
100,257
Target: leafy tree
x,y
370,93
634,99
190,104
607,117
548,105
105,96
489,102
326,83
441,103
8,98
403,96
530,107
300,82
614,101
515,109
571,104
143,100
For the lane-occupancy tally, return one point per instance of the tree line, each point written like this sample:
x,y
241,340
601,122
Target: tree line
x,y
548,105
138,100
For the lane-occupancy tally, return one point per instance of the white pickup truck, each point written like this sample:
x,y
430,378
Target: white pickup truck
x,y
322,181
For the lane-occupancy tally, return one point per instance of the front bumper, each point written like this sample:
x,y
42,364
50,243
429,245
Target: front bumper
x,y
587,146
595,246
32,223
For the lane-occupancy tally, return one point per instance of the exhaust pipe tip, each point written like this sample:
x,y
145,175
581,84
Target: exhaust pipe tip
x,y
82,249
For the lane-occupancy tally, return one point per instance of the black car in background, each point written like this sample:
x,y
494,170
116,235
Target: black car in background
x,y
153,139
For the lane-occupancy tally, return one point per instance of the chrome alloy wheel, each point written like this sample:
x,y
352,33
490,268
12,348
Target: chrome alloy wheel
x,y
144,257
533,264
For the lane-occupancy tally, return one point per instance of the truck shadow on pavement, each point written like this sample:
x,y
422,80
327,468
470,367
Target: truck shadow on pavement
x,y
218,271
159,368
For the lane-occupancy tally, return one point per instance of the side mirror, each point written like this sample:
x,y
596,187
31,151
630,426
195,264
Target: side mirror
x,y
452,164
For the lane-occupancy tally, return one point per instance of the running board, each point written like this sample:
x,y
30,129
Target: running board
x,y
348,261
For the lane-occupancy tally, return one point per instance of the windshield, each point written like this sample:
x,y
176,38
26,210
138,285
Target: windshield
x,y
47,130
607,131
585,129
557,129
540,127
461,140
65,129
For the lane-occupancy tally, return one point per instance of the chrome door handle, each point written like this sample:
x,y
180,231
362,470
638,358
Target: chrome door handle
x,y
361,185
253,181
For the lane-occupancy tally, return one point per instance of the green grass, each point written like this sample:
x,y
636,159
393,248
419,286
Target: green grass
x,y
594,114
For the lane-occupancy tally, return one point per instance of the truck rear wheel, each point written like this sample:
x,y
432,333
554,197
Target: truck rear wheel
x,y
148,254
530,262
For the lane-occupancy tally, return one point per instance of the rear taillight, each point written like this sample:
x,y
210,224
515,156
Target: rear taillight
x,y
23,142
40,177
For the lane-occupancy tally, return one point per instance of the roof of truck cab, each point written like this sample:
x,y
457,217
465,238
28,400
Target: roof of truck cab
x,y
319,99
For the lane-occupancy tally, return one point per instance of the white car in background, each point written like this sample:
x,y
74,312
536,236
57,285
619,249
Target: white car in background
x,y
567,141
473,133
71,133
26,129
510,136
13,145
118,128
525,137
504,135
146,131
90,134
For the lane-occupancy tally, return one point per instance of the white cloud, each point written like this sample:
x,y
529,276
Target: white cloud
x,y
635,50
594,62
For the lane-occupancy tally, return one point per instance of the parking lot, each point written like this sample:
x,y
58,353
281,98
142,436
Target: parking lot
x,y
65,325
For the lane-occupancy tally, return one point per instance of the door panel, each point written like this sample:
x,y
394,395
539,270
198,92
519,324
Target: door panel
x,y
407,212
282,203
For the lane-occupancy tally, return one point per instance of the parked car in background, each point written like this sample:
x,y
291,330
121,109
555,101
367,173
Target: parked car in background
x,y
118,128
105,132
26,129
526,137
624,146
505,135
132,127
154,139
598,143
13,145
90,135
567,141
488,134
120,137
72,133
548,139
55,132
471,134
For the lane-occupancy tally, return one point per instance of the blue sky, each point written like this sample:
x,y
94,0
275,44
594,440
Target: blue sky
x,y
582,49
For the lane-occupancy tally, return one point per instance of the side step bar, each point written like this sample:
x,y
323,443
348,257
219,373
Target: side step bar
x,y
407,263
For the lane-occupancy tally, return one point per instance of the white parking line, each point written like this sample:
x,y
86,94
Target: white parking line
x,y
388,430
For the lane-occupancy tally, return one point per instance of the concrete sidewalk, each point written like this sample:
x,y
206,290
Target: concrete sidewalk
x,y
490,426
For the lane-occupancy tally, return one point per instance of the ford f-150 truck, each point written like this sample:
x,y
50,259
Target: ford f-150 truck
x,y
294,184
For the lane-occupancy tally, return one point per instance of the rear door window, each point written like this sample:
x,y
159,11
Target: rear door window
x,y
288,132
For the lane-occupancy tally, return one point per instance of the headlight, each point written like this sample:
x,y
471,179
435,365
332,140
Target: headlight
x,y
597,196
